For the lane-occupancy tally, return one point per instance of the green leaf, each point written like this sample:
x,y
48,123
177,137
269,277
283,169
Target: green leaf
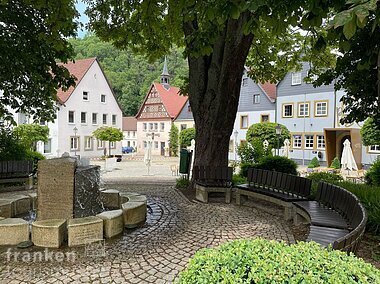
x,y
361,12
349,29
235,13
342,18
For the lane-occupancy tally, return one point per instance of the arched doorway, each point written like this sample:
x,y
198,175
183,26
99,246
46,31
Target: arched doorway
x,y
341,146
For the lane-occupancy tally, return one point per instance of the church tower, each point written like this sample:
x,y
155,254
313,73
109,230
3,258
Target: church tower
x,y
165,75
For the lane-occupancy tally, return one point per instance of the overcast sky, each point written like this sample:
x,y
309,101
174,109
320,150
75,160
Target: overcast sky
x,y
83,18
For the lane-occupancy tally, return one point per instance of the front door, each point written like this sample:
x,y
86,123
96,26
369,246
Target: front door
x,y
162,148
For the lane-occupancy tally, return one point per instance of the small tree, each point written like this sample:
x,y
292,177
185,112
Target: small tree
x,y
30,134
186,136
335,164
267,131
173,138
370,132
314,163
110,134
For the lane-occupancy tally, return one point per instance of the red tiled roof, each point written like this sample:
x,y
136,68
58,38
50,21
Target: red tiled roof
x,y
78,69
129,123
269,89
171,99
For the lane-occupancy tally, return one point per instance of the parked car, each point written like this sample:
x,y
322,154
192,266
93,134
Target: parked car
x,y
127,150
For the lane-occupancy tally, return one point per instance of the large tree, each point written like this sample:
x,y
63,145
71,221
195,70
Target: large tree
x,y
33,36
217,36
355,30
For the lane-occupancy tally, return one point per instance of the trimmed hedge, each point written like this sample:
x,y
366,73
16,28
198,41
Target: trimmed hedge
x,y
373,175
271,163
263,261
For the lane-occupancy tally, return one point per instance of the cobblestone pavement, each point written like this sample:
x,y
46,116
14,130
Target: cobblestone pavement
x,y
155,253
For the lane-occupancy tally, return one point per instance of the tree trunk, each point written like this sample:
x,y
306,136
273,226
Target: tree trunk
x,y
214,90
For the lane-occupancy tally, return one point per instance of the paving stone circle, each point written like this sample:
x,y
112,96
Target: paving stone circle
x,y
154,253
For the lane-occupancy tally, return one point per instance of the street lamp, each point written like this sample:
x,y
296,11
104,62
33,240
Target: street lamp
x,y
278,134
236,133
76,142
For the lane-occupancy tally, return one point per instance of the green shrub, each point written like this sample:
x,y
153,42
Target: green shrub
x,y
182,183
35,157
372,177
237,179
263,261
335,164
278,164
244,168
314,163
369,196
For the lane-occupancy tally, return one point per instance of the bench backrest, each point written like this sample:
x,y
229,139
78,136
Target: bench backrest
x,y
280,181
213,175
9,168
349,206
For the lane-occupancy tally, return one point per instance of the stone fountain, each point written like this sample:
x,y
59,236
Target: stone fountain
x,y
70,207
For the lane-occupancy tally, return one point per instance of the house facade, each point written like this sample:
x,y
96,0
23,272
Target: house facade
x,y
82,109
160,107
257,103
185,118
129,132
313,115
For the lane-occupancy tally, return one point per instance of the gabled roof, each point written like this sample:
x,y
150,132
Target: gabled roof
x,y
270,89
129,123
171,98
78,69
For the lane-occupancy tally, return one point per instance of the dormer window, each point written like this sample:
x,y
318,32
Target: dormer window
x,y
103,98
245,82
296,78
256,98
85,96
189,108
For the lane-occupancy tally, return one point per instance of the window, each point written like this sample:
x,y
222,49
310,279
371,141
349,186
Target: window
x,y
150,126
312,77
245,82
264,118
244,121
134,143
321,142
134,133
22,118
74,143
297,141
88,143
156,144
189,108
156,127
162,126
374,149
303,109
296,78
128,134
309,141
145,144
144,126
113,144
256,99
100,144
287,110
114,119
103,98
104,119
94,118
320,108
43,122
183,126
83,117
85,96
71,116
47,147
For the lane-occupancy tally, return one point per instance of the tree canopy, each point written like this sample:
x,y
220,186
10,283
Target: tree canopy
x,y
370,132
130,74
33,37
267,131
185,137
108,133
30,134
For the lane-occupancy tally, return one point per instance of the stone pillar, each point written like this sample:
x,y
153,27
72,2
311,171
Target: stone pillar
x,y
56,188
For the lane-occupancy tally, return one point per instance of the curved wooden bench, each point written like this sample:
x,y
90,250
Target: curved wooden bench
x,y
276,187
337,217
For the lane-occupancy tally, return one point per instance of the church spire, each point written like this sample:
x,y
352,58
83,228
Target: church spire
x,y
165,75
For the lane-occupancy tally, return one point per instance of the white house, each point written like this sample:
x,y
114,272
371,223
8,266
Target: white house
x,y
313,115
130,132
82,109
